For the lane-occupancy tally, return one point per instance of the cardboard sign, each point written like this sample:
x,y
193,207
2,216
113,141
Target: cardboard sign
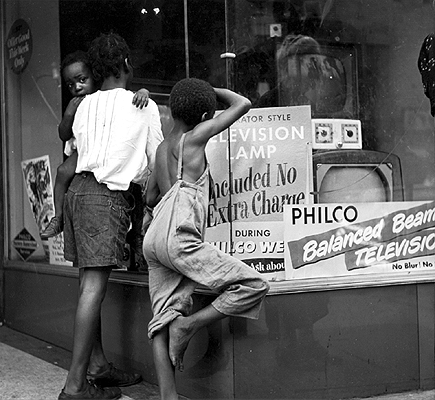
x,y
324,240
259,165
56,252
25,244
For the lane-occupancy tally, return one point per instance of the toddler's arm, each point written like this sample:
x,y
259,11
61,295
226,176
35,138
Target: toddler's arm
x,y
141,98
65,126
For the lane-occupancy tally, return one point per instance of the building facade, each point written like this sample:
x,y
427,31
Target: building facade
x,y
329,329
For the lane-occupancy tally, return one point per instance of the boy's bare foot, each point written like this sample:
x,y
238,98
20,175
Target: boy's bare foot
x,y
180,334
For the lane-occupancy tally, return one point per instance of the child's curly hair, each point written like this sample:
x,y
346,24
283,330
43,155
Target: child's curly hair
x,y
190,98
108,54
76,56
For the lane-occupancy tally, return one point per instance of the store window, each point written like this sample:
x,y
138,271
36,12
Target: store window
x,y
354,60
169,40
350,71
345,60
163,51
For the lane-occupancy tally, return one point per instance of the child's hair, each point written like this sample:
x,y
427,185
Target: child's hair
x,y
190,98
76,56
108,54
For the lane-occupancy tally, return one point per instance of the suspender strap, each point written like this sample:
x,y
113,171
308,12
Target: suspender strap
x,y
180,158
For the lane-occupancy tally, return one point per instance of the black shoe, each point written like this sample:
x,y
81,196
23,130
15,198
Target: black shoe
x,y
54,227
93,392
114,377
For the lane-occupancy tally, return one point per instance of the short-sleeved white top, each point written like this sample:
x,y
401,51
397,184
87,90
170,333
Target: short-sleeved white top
x,y
116,140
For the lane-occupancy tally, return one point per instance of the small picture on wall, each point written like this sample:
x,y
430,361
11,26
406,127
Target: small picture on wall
x,y
37,178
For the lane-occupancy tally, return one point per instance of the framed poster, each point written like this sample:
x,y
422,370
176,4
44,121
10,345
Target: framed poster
x,y
38,181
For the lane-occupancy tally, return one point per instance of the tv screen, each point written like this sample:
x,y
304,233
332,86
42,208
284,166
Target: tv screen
x,y
356,176
327,81
353,183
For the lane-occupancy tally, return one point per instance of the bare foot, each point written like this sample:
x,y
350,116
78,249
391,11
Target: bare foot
x,y
180,334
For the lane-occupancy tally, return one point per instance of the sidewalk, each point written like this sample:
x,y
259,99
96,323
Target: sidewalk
x,y
31,369
425,395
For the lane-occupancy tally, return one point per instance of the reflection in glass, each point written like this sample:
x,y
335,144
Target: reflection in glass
x,y
320,76
155,30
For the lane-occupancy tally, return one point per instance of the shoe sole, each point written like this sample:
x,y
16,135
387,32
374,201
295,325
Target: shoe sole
x,y
103,384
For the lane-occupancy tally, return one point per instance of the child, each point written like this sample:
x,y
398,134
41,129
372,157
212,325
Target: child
x,y
177,256
98,204
78,78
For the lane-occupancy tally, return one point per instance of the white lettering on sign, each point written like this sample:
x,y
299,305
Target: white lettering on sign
x,y
19,46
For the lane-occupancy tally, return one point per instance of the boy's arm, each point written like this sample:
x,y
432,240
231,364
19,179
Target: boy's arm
x,y
155,135
237,105
65,126
152,192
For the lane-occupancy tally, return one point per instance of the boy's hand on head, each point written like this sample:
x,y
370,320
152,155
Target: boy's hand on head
x,y
141,98
73,105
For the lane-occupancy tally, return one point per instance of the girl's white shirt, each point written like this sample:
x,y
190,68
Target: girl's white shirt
x,y
116,141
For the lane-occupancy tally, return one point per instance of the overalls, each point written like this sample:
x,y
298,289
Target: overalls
x,y
179,259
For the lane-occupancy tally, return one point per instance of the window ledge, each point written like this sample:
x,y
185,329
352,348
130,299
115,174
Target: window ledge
x,y
276,287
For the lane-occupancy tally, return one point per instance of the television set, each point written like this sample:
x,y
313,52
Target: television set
x,y
355,176
324,76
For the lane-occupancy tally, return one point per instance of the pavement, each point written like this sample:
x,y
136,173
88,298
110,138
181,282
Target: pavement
x,y
31,369
420,395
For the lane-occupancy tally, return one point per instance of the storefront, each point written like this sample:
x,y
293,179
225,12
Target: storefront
x,y
326,186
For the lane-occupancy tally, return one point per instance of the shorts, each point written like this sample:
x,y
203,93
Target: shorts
x,y
96,221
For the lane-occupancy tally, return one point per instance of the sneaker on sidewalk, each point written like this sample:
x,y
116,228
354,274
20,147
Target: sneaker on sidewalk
x,y
54,227
114,377
93,392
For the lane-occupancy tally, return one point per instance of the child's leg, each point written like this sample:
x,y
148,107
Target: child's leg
x,y
135,236
64,176
182,329
98,358
164,368
93,287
